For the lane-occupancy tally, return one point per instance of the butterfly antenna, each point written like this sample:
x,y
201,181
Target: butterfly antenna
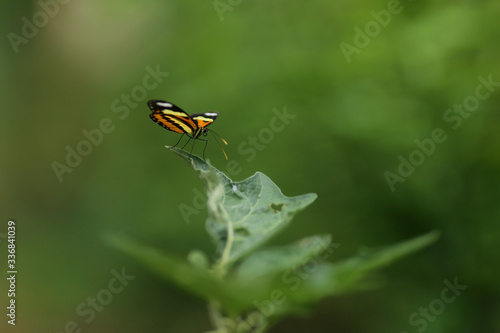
x,y
213,133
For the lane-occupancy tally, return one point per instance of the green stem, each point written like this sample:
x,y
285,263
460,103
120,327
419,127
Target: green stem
x,y
218,320
221,267
229,244
215,315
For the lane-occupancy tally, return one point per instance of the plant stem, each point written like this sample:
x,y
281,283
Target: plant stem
x,y
220,269
215,316
229,244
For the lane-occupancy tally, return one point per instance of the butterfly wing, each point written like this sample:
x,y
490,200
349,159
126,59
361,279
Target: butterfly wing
x,y
202,120
172,117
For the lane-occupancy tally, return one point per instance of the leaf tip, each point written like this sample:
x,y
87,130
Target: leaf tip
x,y
193,161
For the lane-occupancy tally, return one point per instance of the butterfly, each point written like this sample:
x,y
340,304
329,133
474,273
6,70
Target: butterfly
x,y
173,118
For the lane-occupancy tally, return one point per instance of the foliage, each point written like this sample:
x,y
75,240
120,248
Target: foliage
x,y
249,286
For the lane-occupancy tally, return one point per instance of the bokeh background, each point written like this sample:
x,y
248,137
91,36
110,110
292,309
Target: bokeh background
x,y
356,114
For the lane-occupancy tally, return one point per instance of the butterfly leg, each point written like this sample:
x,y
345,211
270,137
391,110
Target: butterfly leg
x,y
206,143
179,141
189,139
192,147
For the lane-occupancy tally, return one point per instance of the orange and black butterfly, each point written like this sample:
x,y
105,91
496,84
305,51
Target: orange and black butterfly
x,y
173,118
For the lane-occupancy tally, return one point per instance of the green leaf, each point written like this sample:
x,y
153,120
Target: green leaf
x,y
370,260
193,278
328,279
296,288
243,215
249,279
269,261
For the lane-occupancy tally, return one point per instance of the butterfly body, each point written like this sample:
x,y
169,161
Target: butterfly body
x,y
173,118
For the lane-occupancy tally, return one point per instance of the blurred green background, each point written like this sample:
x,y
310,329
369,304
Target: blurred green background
x,y
355,115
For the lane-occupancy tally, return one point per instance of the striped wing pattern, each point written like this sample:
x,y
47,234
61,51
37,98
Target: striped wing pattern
x,y
172,117
204,119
